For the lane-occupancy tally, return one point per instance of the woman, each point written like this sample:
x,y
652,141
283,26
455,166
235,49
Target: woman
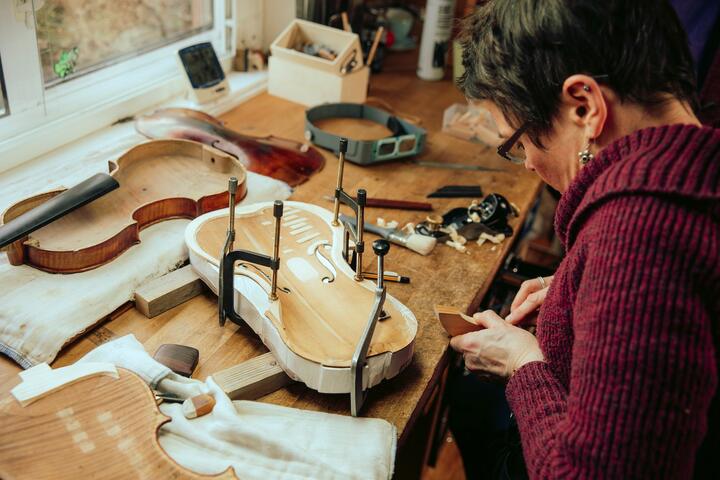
x,y
596,97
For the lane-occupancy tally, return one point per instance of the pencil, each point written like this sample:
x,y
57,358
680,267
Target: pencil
x,y
388,277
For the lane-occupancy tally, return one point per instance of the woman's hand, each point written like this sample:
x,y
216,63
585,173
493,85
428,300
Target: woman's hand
x,y
528,300
499,349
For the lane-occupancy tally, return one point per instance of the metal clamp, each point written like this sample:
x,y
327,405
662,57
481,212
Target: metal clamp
x,y
358,394
229,257
358,206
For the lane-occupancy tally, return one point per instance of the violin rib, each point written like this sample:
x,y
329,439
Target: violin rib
x,y
159,180
283,159
315,325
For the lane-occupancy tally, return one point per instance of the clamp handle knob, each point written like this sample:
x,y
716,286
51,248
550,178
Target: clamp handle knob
x,y
381,247
277,209
343,145
362,197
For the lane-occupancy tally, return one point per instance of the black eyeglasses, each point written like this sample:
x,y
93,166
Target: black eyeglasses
x,y
511,150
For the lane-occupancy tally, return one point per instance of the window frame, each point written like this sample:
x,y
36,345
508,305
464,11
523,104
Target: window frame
x,y
43,119
3,94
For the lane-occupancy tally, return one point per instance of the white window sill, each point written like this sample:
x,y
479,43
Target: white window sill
x,y
70,164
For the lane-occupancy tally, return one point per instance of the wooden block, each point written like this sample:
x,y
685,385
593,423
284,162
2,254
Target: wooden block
x,y
181,359
253,378
168,291
454,321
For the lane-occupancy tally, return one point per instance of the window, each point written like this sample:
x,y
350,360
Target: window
x,y
3,95
73,66
79,36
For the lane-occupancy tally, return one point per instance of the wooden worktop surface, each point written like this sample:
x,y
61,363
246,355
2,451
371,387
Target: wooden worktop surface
x,y
445,277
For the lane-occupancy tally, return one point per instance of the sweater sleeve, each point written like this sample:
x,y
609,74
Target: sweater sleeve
x,y
643,368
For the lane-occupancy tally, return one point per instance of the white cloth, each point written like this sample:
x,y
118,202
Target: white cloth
x,y
40,312
260,441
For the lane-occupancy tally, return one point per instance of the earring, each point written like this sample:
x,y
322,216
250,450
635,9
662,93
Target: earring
x,y
585,156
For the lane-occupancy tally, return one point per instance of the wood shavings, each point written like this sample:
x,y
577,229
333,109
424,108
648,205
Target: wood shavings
x,y
409,228
381,222
457,238
457,246
496,239
475,217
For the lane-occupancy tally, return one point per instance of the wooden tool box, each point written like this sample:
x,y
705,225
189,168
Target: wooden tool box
x,y
311,80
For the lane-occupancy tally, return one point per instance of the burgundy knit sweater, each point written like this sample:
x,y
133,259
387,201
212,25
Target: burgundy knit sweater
x,y
629,327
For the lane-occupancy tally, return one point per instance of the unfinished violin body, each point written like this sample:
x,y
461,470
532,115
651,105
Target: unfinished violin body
x,y
99,426
314,326
286,160
159,180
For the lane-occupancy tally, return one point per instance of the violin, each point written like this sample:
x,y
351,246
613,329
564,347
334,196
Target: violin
x,y
320,311
158,180
286,160
101,426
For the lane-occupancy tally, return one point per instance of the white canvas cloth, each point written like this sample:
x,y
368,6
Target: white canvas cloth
x,y
260,441
40,312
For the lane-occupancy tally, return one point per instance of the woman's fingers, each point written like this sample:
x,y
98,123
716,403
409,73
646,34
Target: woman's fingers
x,y
527,288
531,304
470,341
464,343
488,319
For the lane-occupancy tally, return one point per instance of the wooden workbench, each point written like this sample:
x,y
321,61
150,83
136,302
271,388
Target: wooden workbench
x,y
447,276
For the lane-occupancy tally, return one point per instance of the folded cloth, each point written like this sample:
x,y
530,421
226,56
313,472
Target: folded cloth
x,y
41,312
260,441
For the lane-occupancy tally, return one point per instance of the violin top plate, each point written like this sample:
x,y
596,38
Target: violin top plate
x,y
321,311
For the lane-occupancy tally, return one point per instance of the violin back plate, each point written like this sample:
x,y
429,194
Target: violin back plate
x,y
98,427
283,159
159,180
321,313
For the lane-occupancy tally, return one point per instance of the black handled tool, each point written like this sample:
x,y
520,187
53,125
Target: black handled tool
x,y
58,206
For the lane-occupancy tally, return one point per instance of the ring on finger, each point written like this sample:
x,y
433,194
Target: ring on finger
x,y
542,282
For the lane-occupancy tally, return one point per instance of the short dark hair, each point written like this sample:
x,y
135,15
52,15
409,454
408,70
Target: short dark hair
x,y
518,53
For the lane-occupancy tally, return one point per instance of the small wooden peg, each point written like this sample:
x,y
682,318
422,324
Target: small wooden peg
x,y
198,405
345,22
373,48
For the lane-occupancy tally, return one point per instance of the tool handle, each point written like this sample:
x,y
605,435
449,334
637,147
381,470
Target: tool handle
x,y
58,206
398,204
369,227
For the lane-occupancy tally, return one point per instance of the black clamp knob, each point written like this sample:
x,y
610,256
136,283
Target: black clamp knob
x,y
381,247
343,145
362,197
277,209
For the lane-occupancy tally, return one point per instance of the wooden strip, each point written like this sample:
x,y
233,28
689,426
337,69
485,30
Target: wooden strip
x,y
253,378
40,380
308,237
301,230
168,291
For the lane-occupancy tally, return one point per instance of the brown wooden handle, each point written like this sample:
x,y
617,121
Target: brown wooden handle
x,y
399,204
